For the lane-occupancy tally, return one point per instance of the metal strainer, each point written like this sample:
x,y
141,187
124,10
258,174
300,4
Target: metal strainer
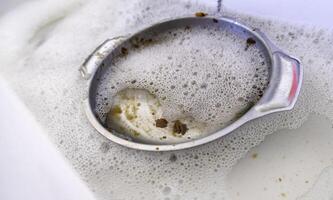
x,y
280,95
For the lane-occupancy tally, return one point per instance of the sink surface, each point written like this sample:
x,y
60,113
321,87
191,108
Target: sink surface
x,y
33,168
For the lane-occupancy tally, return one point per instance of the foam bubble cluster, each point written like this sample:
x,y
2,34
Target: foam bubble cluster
x,y
45,75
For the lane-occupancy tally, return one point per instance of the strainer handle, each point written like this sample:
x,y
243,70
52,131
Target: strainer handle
x,y
285,82
95,59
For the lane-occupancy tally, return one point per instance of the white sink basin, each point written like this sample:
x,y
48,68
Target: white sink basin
x,y
32,167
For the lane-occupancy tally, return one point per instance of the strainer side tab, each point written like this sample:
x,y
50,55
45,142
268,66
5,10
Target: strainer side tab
x,y
95,59
285,81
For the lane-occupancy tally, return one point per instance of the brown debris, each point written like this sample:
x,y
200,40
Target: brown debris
x,y
161,123
137,42
179,127
124,51
116,110
200,14
249,42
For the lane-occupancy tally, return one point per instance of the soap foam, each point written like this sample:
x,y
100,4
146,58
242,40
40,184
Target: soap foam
x,y
47,79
